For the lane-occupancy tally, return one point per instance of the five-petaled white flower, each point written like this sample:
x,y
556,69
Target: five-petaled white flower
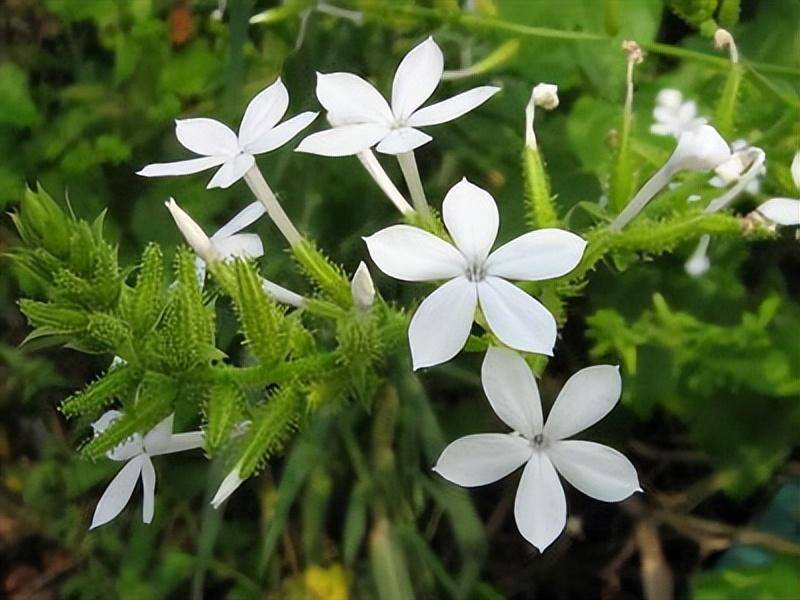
x,y
784,211
361,117
259,132
137,451
673,116
442,323
598,471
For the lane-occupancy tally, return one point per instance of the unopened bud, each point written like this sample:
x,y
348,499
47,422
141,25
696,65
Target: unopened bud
x,y
795,169
634,51
192,232
724,39
362,288
545,95
701,149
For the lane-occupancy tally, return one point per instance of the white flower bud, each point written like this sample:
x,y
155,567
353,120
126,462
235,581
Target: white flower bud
x,y
545,95
362,288
781,211
698,263
795,169
724,39
229,485
701,149
192,233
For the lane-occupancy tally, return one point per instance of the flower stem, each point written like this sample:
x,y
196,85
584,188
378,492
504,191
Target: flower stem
x,y
282,295
654,185
261,190
374,168
408,164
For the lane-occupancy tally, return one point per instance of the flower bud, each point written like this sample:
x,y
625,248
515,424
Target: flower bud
x,y
701,149
362,288
724,39
545,95
795,169
192,233
229,485
698,263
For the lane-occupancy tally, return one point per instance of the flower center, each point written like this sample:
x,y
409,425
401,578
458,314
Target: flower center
x,y
537,441
476,273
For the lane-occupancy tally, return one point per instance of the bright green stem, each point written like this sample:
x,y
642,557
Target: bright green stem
x,y
622,176
408,164
726,109
330,279
265,195
538,200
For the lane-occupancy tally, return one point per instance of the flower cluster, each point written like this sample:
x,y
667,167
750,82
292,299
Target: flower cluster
x,y
473,278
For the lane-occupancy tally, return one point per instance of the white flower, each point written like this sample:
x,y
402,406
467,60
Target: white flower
x,y
137,451
259,132
361,117
596,470
784,211
700,149
224,244
442,323
673,116
781,211
733,168
362,288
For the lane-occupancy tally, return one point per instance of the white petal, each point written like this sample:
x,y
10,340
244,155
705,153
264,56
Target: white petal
x,y
207,137
343,141
181,167
481,459
281,294
783,211
452,108
179,442
105,420
537,255
232,171
412,254
350,99
416,78
517,319
540,507
148,490
470,215
403,139
118,492
596,470
263,113
795,169
244,218
278,136
440,327
157,437
229,485
511,389
240,245
588,396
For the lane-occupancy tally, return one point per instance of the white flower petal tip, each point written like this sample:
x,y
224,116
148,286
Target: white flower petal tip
x,y
545,95
795,169
701,149
229,485
362,288
781,211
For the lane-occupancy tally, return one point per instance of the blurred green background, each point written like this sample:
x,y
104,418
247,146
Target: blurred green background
x,y
710,412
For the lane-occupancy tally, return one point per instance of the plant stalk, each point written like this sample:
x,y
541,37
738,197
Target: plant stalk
x,y
376,171
261,190
654,185
408,164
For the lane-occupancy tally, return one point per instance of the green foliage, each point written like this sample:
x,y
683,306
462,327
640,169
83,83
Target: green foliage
x,y
538,197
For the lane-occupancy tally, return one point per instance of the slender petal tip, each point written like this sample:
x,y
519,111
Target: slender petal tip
x,y
229,485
